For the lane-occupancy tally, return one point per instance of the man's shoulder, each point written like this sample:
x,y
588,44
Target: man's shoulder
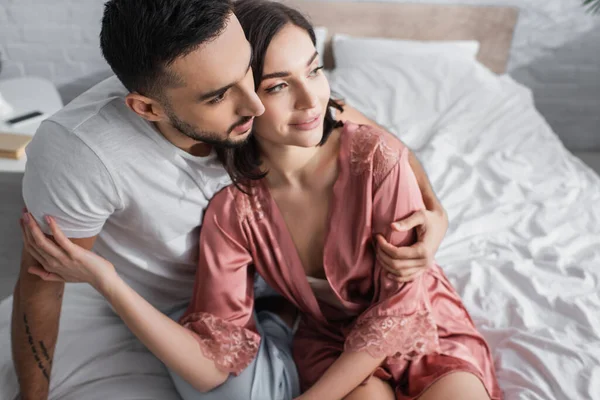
x,y
96,113
97,120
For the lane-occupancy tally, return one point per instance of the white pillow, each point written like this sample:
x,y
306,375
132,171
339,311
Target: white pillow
x,y
321,35
350,51
408,96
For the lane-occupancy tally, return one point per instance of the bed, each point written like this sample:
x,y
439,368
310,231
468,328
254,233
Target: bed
x,y
523,246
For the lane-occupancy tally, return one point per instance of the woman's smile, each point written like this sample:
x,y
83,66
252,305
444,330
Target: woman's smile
x,y
308,124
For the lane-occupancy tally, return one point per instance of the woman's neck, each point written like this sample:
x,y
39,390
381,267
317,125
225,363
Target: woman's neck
x,y
295,166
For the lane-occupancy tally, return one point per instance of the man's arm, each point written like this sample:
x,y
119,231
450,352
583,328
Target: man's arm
x,y
34,329
64,178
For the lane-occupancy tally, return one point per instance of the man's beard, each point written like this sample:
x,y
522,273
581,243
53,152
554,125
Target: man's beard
x,y
211,138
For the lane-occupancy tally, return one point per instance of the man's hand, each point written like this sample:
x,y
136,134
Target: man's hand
x,y
406,263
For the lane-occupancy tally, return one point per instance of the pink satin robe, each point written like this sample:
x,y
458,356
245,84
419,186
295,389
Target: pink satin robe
x,y
421,327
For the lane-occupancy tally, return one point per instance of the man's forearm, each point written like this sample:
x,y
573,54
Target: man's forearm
x,y
432,203
34,330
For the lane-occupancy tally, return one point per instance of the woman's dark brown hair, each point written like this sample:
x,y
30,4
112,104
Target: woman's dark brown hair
x,y
261,21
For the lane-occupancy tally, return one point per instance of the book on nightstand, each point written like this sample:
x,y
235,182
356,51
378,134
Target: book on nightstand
x,y
13,145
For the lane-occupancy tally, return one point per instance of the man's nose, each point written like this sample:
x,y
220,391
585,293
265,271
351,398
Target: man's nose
x,y
251,105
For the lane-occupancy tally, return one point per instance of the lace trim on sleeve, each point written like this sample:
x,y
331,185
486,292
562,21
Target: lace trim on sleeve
x,y
400,337
231,347
249,206
371,153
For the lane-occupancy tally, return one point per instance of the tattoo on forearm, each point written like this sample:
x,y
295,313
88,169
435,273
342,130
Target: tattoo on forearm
x,y
45,352
35,351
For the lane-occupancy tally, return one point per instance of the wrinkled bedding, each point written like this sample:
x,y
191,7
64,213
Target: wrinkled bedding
x,y
523,247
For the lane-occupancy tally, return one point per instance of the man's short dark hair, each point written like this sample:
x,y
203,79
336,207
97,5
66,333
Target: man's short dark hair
x,y
141,38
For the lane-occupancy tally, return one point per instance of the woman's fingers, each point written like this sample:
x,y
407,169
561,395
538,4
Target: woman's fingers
x,y
59,236
29,245
40,242
45,275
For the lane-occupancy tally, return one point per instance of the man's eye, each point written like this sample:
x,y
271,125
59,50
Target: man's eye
x,y
217,99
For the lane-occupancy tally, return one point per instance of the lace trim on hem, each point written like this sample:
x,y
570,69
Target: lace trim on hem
x,y
399,337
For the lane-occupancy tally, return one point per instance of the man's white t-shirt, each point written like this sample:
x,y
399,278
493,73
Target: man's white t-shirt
x,y
100,169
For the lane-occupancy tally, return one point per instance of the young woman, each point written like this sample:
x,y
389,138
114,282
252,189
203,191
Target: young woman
x,y
310,196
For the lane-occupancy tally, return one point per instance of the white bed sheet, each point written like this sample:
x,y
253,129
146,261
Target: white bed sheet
x,y
523,247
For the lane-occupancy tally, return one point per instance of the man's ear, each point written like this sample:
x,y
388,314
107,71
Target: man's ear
x,y
145,107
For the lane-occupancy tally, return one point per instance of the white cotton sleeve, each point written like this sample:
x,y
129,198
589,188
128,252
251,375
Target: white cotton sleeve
x,y
65,178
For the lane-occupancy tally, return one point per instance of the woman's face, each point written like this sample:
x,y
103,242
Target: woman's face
x,y
293,90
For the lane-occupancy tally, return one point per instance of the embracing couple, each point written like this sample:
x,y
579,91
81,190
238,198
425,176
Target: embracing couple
x,y
314,270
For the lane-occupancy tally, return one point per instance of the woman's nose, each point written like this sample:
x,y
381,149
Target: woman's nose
x,y
306,99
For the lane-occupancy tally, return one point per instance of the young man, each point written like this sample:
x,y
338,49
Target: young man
x,y
127,169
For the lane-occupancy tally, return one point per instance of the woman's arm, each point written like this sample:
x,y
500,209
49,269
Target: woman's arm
x,y
431,222
170,342
64,261
220,310
432,203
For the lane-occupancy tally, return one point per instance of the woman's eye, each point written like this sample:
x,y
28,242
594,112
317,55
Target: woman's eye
x,y
315,71
217,99
276,88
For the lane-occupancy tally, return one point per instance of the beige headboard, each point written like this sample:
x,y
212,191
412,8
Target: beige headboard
x,y
493,27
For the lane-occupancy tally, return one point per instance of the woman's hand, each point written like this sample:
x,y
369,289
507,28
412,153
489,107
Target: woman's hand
x,y
62,260
406,263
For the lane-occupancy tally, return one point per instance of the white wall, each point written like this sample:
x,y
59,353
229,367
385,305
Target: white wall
x,y
55,39
555,51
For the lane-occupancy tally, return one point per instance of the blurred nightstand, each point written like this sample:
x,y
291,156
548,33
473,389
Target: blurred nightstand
x,y
26,95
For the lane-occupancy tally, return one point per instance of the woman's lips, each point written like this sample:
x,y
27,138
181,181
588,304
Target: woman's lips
x,y
309,124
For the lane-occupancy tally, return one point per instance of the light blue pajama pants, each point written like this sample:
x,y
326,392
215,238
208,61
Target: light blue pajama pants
x,y
271,376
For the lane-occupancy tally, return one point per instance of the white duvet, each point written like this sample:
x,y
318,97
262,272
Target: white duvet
x,y
523,248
